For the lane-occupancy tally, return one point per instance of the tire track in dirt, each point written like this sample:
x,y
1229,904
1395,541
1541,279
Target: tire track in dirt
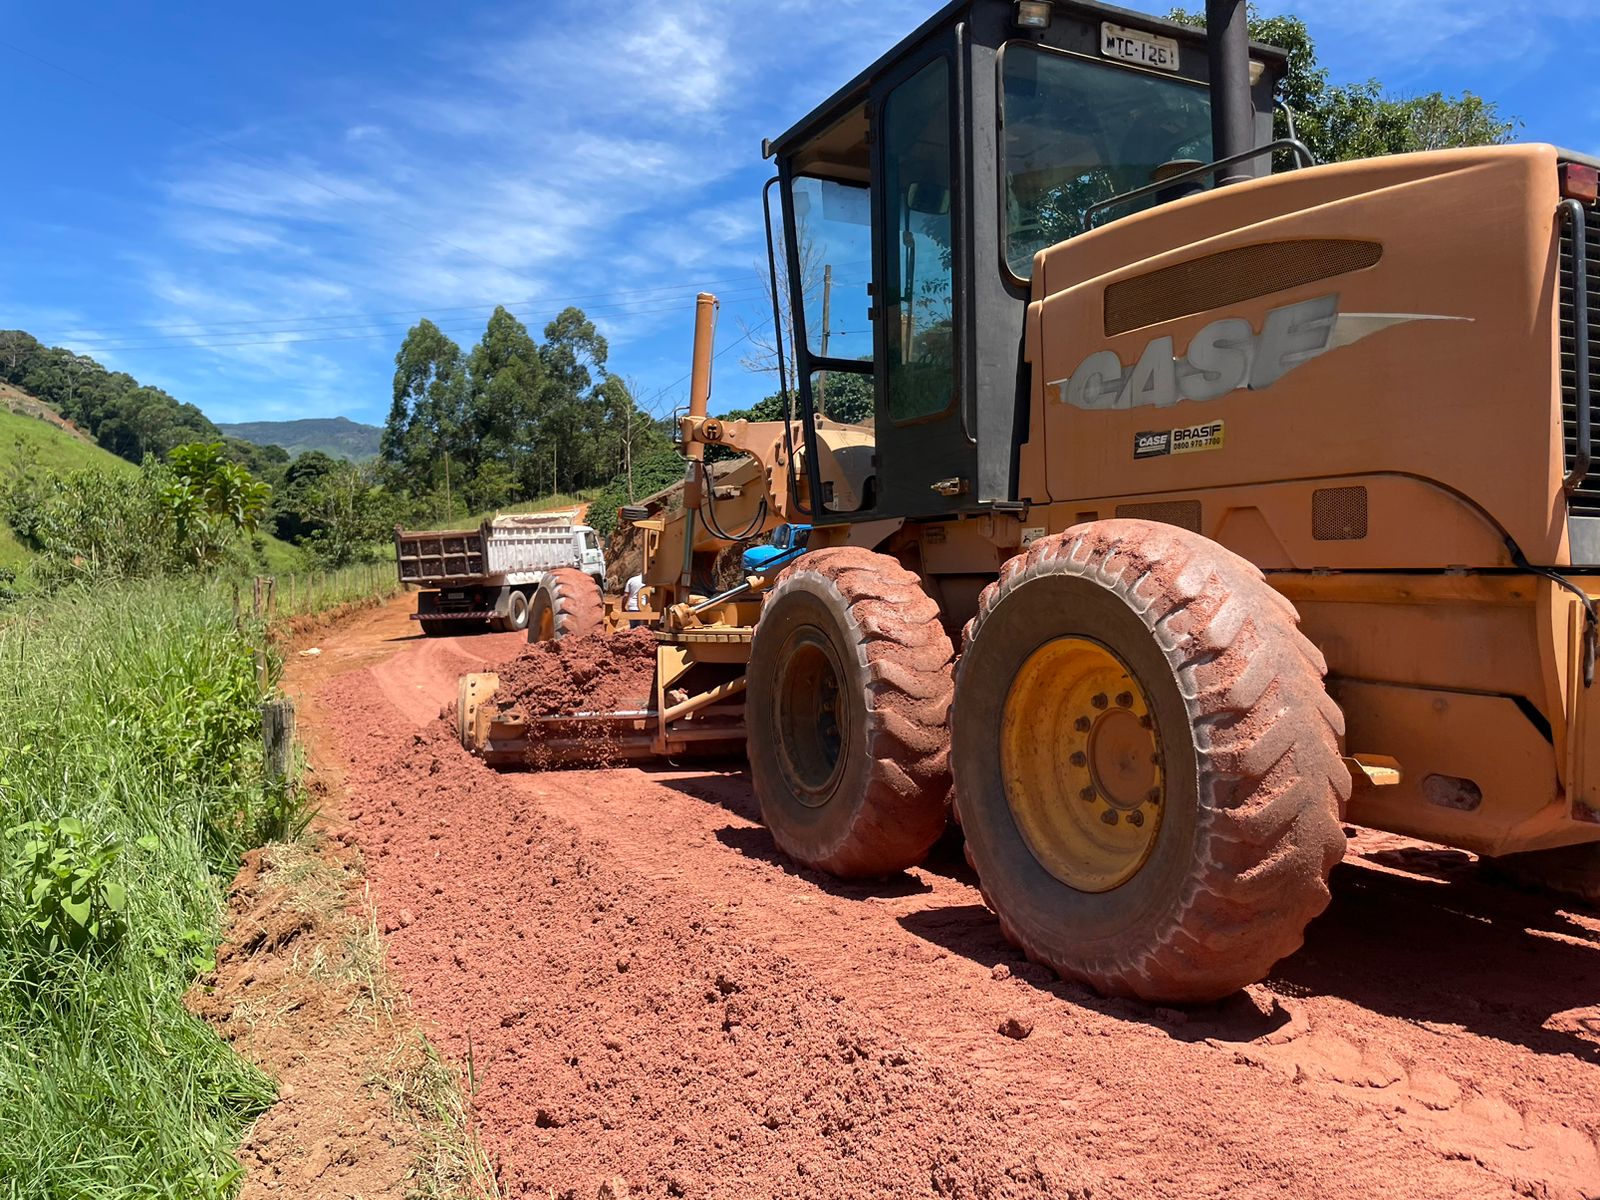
x,y
649,989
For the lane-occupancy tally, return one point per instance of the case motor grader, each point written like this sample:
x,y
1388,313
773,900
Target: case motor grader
x,y
1201,506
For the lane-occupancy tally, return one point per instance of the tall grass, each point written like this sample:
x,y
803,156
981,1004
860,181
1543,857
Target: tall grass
x,y
317,591
135,715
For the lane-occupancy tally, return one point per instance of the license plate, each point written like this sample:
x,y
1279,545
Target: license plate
x,y
1136,46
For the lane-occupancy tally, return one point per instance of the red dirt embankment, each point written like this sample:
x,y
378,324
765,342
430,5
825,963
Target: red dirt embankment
x,y
646,988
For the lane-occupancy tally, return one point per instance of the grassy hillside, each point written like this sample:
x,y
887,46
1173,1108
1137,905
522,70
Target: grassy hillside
x,y
24,438
339,437
53,447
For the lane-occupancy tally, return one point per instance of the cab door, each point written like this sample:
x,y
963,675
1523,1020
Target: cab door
x,y
927,462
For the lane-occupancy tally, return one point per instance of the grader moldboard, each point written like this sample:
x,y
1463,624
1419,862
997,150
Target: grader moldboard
x,y
1198,510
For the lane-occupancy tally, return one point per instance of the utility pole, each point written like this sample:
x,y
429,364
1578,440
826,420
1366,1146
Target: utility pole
x,y
827,310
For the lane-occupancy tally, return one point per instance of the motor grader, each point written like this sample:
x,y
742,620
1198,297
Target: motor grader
x,y
1209,499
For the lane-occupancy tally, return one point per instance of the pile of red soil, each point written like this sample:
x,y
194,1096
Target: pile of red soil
x,y
602,672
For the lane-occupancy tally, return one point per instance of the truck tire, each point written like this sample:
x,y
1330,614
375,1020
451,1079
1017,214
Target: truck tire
x,y
434,628
566,604
1146,762
516,618
1570,871
847,709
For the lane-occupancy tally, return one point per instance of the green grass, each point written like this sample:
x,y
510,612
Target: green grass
x,y
52,447
138,719
13,554
318,591
24,438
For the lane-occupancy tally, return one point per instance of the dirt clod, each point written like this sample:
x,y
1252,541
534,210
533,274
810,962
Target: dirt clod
x,y
1016,1028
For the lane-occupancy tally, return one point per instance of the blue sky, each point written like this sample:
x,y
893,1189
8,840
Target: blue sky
x,y
248,205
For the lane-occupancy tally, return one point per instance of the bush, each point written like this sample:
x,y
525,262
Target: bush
x,y
650,475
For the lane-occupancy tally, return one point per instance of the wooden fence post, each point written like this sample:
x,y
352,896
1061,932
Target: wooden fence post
x,y
272,596
277,735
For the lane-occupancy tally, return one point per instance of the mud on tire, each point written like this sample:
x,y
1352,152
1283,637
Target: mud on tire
x,y
1249,825
847,712
566,604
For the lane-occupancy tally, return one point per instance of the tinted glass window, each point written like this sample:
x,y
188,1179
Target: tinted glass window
x,y
919,290
1079,131
833,226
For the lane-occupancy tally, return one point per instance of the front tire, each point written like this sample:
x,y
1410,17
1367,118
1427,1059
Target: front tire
x,y
847,709
1146,762
566,604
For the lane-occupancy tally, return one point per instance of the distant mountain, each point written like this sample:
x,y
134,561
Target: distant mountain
x,y
337,436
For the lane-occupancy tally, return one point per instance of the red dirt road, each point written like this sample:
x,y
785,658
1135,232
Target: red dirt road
x,y
645,988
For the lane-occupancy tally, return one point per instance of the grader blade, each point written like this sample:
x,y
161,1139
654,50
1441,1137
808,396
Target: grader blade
x,y
504,737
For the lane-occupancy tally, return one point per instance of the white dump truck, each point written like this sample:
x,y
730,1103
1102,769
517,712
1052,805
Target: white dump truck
x,y
496,576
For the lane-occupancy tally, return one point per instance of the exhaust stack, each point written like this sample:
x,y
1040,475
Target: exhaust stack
x,y
1232,114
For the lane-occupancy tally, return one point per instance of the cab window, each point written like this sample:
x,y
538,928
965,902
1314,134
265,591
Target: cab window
x,y
1079,131
920,288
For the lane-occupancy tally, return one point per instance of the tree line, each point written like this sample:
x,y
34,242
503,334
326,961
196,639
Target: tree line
x,y
514,417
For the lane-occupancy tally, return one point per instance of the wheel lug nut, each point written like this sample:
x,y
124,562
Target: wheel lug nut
x,y
1124,699
1156,758
1086,794
1155,796
1099,700
1079,758
1109,816
1146,723
1136,818
1082,724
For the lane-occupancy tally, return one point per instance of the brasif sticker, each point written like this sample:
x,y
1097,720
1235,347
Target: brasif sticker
x,y
1161,442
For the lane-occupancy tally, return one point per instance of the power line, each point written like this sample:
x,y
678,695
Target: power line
x,y
448,327
272,337
200,329
649,405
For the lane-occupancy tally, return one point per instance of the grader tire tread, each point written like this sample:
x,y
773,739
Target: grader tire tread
x,y
576,602
905,658
1272,783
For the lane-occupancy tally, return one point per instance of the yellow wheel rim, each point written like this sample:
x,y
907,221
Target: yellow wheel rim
x,y
547,625
1081,761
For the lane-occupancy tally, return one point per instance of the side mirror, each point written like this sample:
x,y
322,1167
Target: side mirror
x,y
929,199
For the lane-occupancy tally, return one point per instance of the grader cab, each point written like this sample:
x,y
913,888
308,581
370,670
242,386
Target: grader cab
x,y
1196,510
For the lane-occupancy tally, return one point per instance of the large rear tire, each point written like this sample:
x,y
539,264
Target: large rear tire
x,y
1146,762
434,628
566,604
847,711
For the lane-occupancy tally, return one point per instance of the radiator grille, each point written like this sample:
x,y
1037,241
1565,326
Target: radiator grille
x,y
1585,501
1339,514
1185,514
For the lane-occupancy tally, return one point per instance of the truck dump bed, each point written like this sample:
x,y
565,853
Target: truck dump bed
x,y
517,545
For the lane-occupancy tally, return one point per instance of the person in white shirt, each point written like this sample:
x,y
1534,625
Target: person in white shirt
x,y
635,585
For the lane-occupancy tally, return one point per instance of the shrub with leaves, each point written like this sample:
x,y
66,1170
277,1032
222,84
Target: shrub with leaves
x,y
64,897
